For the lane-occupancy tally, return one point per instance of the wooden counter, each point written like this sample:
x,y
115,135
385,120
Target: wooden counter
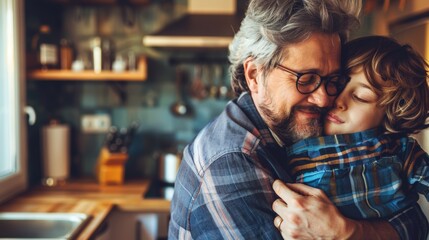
x,y
87,197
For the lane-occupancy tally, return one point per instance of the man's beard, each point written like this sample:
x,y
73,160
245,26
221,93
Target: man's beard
x,y
289,130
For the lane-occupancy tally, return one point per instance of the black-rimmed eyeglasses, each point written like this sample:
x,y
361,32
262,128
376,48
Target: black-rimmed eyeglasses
x,y
309,82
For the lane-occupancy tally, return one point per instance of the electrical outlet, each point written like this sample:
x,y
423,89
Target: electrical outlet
x,y
95,123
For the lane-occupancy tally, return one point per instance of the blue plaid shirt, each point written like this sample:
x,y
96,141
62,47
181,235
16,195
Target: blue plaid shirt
x,y
223,187
365,174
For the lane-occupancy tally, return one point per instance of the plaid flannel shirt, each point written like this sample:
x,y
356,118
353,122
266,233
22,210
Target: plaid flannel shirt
x,y
365,174
223,187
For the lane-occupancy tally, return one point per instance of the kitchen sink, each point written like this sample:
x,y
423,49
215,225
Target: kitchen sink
x,y
19,225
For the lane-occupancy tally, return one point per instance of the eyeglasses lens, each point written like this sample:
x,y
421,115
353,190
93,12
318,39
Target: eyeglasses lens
x,y
308,82
334,85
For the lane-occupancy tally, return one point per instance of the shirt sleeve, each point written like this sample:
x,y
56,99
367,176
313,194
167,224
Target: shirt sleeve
x,y
234,201
416,166
411,223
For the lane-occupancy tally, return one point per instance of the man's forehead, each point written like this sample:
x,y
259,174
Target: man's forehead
x,y
321,52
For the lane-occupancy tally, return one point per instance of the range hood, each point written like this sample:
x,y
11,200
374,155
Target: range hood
x,y
204,26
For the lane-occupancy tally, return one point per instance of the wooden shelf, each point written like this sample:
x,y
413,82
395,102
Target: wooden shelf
x,y
99,2
88,75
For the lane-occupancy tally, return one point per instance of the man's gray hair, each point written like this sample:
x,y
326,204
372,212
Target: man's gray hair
x,y
270,25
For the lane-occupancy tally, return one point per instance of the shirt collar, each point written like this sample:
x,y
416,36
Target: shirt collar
x,y
333,140
277,138
246,103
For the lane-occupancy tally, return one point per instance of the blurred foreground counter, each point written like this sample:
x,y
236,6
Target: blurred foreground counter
x,y
90,198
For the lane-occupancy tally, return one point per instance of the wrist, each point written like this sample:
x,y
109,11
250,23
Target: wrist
x,y
352,229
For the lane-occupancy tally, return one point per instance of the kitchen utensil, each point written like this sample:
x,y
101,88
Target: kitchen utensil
x,y
128,13
218,81
132,129
118,140
212,86
180,107
198,89
224,90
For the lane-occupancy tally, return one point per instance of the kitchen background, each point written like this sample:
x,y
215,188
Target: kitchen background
x,y
173,75
147,103
146,98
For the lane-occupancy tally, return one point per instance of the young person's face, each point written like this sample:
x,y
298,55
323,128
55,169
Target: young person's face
x,y
289,113
355,109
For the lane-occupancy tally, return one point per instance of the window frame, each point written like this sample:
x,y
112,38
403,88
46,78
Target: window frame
x,y
16,182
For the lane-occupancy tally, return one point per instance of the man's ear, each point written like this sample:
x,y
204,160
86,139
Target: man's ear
x,y
251,72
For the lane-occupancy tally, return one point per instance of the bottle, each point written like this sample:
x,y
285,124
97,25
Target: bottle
x,y
107,51
132,61
96,54
66,54
47,49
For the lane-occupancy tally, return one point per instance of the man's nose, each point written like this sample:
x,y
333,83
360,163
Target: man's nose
x,y
320,97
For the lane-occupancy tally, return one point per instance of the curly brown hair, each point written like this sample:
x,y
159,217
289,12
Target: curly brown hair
x,y
399,76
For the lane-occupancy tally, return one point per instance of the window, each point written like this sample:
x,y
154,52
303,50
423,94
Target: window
x,y
12,127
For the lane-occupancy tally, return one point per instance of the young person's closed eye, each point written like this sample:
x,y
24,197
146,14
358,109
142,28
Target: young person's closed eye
x,y
364,97
365,94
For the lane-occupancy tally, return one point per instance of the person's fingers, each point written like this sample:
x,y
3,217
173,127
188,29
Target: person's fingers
x,y
283,191
279,206
305,190
278,222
